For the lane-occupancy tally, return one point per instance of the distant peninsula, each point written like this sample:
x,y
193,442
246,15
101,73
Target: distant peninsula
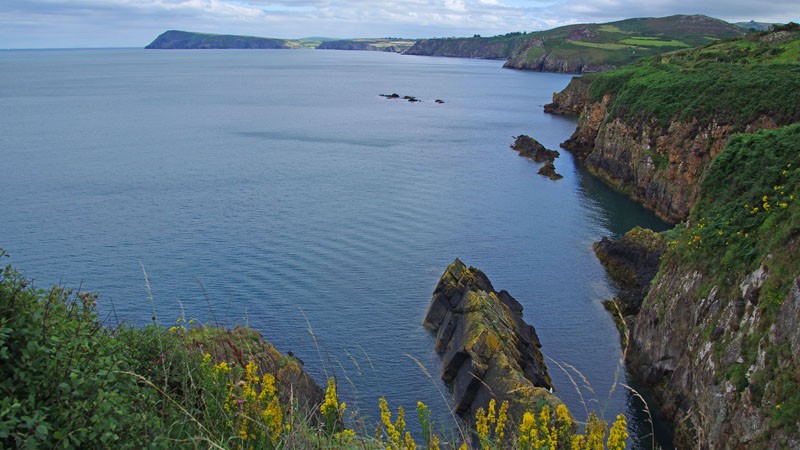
x,y
396,45
175,39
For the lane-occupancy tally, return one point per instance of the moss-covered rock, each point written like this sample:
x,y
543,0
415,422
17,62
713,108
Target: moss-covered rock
x,y
631,262
242,345
488,351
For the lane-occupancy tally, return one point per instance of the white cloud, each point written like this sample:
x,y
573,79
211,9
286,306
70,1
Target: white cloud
x,y
48,23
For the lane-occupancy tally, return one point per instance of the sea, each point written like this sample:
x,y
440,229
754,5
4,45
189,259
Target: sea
x,y
278,189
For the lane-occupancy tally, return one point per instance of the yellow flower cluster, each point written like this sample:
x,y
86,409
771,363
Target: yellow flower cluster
x,y
397,437
332,411
484,420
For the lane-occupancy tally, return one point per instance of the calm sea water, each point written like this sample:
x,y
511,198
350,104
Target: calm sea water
x,y
277,189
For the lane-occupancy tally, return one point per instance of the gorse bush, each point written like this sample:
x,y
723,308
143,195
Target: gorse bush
x,y
68,381
748,210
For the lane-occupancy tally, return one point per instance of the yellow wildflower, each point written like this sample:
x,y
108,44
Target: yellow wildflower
x,y
618,434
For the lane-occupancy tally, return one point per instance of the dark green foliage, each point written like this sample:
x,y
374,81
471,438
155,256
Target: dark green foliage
x,y
668,91
175,39
736,82
748,209
60,373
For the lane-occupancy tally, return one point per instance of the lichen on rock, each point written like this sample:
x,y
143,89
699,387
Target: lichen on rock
x,y
487,350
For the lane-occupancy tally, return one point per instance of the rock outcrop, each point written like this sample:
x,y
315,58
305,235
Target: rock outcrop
x,y
533,149
243,345
572,99
488,351
631,261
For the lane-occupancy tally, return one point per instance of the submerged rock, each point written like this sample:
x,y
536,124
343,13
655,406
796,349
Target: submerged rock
x,y
549,170
487,350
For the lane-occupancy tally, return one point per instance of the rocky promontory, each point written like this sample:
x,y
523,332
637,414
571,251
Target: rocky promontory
x,y
175,39
487,350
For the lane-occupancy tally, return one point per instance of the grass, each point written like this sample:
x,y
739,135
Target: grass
x,y
69,381
644,41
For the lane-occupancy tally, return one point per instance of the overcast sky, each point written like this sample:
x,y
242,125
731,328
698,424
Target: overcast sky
x,y
134,23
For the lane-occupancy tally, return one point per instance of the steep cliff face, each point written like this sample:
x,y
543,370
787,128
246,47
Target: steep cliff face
x,y
717,338
535,56
497,47
488,351
721,366
659,166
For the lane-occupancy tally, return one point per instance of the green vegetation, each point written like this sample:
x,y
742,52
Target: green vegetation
x,y
68,381
748,217
733,81
653,42
600,46
175,39
748,209
377,44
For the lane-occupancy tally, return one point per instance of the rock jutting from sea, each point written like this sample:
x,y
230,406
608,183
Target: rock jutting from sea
x,y
487,350
532,149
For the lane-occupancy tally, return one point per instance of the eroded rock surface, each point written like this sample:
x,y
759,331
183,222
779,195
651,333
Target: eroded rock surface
x,y
487,350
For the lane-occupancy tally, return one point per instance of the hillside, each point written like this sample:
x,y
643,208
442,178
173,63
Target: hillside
x,y
497,47
709,136
652,128
380,44
174,39
585,48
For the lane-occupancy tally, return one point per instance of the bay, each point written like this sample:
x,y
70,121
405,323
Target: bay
x,y
277,189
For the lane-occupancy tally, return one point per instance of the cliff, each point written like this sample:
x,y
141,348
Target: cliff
x,y
585,48
487,350
718,335
174,39
652,128
377,45
496,47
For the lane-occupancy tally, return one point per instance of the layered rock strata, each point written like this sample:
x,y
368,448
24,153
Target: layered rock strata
x,y
487,350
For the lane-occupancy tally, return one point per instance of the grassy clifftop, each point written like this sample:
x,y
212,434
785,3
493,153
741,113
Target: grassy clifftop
x,y
734,80
585,48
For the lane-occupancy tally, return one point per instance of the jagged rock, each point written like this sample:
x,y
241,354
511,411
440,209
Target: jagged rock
x,y
572,99
390,95
487,350
549,170
531,148
631,261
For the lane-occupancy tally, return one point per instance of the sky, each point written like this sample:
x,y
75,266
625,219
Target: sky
x,y
134,23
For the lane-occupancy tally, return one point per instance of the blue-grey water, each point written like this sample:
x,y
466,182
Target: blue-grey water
x,y
277,189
